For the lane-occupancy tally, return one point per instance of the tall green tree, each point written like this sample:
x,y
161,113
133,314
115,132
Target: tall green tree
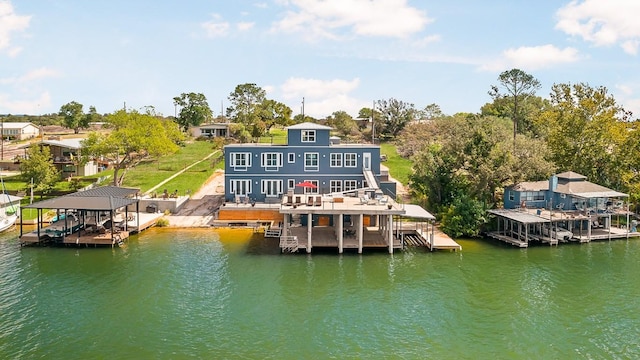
x,y
74,117
250,107
472,155
38,167
343,123
585,132
194,109
274,113
517,86
430,112
134,137
395,114
245,100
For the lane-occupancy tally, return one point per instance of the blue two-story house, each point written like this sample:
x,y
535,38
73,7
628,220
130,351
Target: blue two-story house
x,y
311,162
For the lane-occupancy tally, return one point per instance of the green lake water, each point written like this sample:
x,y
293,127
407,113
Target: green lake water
x,y
231,295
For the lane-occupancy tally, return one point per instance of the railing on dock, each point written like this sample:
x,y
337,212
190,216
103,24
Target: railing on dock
x,y
289,244
275,232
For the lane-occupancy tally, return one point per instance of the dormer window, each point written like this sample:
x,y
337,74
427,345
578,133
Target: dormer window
x,y
308,136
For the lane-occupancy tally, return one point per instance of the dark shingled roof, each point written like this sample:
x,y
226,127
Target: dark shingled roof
x,y
106,191
100,198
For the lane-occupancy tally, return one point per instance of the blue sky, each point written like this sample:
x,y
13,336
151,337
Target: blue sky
x,y
336,54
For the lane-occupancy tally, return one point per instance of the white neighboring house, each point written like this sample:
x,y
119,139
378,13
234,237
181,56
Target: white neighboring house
x,y
19,130
66,155
210,130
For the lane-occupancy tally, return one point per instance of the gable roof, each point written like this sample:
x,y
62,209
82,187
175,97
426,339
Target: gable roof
x,y
64,143
308,126
532,186
16,125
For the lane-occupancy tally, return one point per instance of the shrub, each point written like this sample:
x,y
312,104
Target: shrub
x,y
162,222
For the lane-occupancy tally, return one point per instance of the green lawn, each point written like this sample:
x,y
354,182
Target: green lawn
x,y
150,173
399,167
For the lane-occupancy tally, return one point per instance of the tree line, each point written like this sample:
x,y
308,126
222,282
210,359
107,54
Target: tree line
x,y
462,162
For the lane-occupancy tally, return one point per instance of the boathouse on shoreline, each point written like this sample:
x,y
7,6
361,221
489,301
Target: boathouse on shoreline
x,y
565,208
104,215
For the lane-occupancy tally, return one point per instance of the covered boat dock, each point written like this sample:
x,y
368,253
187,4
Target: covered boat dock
x,y
99,216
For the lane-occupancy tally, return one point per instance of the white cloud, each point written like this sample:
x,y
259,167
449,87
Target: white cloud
x,y
32,106
532,58
10,23
36,74
216,27
244,26
323,97
327,18
628,96
602,22
428,40
630,46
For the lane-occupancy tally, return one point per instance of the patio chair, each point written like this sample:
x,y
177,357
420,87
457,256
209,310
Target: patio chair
x,y
288,201
309,200
318,201
298,201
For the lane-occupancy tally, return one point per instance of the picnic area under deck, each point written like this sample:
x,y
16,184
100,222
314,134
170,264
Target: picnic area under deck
x,y
383,212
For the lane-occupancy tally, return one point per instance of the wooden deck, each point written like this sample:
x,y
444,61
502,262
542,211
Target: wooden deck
x,y
54,233
508,239
78,238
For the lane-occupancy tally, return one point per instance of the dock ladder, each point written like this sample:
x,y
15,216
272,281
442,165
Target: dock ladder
x,y
289,244
118,240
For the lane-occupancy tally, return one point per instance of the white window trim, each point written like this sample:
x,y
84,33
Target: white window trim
x,y
310,190
236,167
271,167
353,185
306,134
234,184
338,158
292,158
312,167
355,159
335,186
263,187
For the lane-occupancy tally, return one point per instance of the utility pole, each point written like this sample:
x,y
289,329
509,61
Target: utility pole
x,y
303,109
373,123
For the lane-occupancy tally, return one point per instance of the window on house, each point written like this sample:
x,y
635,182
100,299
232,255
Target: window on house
x,y
240,161
271,188
308,136
350,160
292,158
240,187
291,184
336,160
335,186
311,162
271,161
312,190
512,196
350,185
